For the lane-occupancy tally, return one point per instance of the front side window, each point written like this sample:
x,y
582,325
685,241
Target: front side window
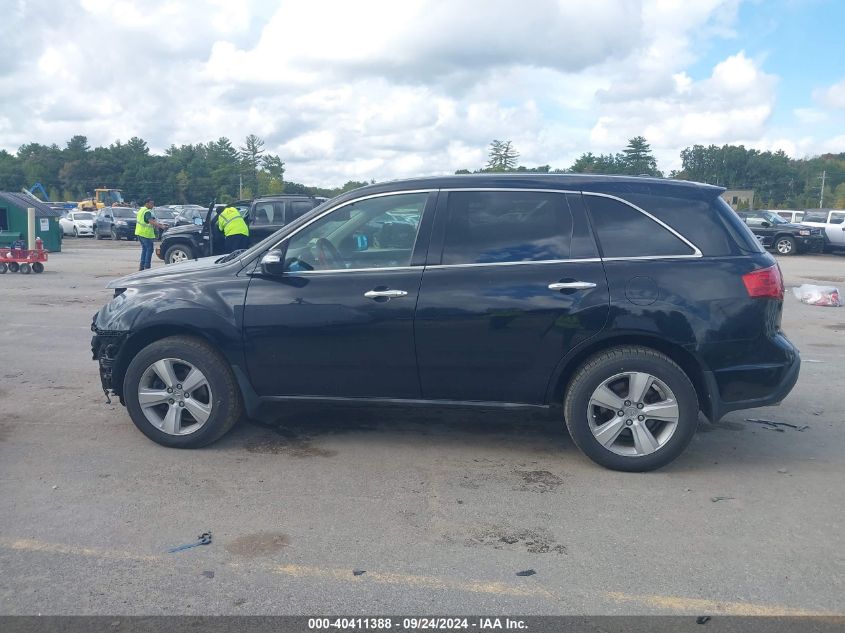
x,y
488,227
623,231
374,233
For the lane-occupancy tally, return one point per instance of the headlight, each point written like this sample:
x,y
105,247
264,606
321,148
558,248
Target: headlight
x,y
120,222
803,232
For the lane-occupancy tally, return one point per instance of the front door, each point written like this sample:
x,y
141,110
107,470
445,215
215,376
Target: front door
x,y
516,283
339,321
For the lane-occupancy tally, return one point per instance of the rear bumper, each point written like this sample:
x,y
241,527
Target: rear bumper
x,y
754,385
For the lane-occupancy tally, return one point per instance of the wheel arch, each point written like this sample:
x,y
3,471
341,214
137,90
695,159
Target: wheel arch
x,y
686,360
156,332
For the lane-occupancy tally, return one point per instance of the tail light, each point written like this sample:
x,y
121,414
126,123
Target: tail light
x,y
766,283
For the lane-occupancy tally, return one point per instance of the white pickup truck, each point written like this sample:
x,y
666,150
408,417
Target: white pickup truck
x,y
833,223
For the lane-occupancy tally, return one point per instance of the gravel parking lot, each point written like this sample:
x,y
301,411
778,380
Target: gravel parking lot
x,y
439,509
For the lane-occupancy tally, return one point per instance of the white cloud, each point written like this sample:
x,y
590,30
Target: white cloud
x,y
832,96
384,89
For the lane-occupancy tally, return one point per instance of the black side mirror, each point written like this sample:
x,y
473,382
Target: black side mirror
x,y
273,262
765,224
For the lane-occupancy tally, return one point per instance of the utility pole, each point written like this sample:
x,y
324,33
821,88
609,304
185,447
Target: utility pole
x,y
821,196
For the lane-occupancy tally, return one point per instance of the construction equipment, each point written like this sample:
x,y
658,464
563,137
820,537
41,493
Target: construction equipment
x,y
102,198
37,186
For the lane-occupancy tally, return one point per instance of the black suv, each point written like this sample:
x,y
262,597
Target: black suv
x,y
630,304
781,235
263,215
116,223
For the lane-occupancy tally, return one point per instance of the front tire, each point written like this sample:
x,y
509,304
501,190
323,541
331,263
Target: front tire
x,y
114,236
631,409
785,245
75,232
178,253
181,393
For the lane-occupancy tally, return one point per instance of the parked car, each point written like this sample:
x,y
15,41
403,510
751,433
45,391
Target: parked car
x,y
78,223
783,237
626,304
166,218
832,223
264,216
116,223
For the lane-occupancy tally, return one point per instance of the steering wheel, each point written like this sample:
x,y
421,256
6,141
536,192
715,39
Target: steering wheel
x,y
327,255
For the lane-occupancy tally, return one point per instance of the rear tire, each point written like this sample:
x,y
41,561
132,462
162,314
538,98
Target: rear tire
x,y
219,396
634,441
25,269
13,267
37,268
3,268
785,245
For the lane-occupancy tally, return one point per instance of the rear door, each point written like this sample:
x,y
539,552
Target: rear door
x,y
513,282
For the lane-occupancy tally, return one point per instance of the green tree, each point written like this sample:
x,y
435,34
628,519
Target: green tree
x,y
251,152
502,156
638,159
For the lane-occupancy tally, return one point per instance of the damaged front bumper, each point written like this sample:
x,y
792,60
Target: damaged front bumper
x,y
105,347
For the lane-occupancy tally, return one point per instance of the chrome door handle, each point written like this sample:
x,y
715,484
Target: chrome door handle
x,y
390,294
572,285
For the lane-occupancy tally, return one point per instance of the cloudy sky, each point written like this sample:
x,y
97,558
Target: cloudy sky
x,y
372,89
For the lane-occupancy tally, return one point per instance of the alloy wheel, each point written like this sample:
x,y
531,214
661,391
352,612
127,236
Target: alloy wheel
x,y
784,247
633,414
175,396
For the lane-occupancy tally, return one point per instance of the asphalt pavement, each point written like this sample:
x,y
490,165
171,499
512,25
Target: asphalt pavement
x,y
357,511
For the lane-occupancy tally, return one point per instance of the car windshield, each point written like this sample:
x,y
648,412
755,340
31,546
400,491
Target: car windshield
x,y
83,216
164,214
123,213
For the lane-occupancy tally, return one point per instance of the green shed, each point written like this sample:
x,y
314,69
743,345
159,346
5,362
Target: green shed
x,y
13,227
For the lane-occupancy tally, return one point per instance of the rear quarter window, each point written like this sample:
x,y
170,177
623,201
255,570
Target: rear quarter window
x,y
623,231
695,219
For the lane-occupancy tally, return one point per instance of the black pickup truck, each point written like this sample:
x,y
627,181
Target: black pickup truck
x,y
781,236
264,216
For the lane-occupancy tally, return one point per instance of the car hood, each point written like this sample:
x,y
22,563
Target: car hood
x,y
184,229
170,272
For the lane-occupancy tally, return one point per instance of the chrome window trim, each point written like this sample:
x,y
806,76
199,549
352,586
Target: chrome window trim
x,y
348,202
352,270
696,251
696,254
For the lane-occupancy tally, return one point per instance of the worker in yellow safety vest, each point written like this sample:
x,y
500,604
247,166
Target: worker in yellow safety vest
x,y
234,229
145,227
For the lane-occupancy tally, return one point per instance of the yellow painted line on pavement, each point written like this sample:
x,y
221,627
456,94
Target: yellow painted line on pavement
x,y
412,580
672,604
677,604
298,571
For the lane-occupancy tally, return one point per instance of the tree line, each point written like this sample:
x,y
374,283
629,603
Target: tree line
x,y
218,169
779,182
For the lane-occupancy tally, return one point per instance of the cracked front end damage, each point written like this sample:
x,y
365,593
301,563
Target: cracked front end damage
x,y
105,347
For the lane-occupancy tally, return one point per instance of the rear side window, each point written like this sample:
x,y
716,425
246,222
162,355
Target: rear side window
x,y
694,219
815,216
486,227
263,214
298,208
623,231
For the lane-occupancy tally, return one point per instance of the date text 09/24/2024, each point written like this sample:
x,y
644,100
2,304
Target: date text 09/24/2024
x,y
414,623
